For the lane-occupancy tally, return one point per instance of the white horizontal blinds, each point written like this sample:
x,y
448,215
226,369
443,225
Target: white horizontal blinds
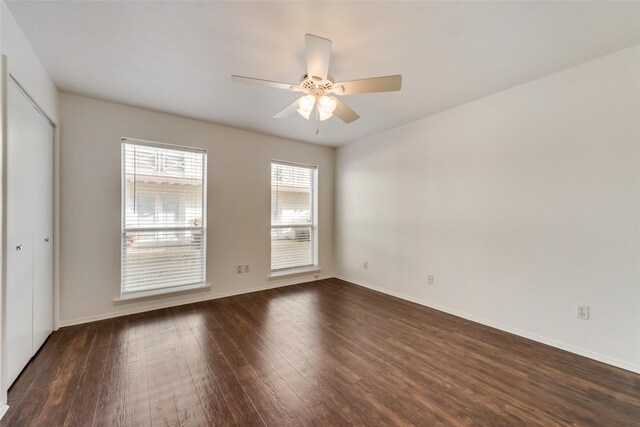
x,y
164,218
293,223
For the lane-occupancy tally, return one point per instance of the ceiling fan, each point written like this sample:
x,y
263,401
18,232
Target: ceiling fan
x,y
317,85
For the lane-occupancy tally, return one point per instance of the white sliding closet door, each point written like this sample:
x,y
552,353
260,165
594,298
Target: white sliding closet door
x,y
29,221
42,192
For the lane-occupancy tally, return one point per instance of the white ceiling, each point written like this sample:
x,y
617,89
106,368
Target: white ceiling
x,y
177,57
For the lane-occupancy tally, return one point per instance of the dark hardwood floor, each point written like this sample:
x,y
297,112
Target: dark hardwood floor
x,y
323,353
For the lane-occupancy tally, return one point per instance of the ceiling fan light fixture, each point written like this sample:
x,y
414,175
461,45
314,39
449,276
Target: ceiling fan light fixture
x,y
326,106
305,105
306,102
304,113
323,115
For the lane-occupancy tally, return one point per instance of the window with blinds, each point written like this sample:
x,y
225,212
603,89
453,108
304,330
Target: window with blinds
x,y
293,216
163,216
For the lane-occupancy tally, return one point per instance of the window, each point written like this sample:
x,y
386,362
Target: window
x,y
163,216
293,216
146,206
171,208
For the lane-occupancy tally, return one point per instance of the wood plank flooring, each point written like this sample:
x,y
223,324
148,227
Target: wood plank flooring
x,y
324,353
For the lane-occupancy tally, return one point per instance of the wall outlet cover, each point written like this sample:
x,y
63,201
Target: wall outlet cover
x,y
582,312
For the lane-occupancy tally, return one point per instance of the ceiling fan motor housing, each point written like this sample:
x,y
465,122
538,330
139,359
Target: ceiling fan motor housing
x,y
310,83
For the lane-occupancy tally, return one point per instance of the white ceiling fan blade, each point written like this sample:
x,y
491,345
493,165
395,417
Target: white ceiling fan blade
x,y
318,56
286,112
373,84
261,82
345,113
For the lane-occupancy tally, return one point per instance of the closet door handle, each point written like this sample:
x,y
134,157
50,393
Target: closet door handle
x,y
19,248
46,240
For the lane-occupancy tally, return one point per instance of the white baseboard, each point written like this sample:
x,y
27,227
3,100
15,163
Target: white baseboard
x,y
166,304
544,340
3,410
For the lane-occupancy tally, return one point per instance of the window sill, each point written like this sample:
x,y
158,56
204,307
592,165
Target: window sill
x,y
293,272
149,295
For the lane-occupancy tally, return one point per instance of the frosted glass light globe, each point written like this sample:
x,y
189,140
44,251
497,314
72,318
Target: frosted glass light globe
x,y
307,102
328,104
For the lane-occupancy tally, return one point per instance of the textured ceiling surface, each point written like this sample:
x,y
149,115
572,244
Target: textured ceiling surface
x,y
177,57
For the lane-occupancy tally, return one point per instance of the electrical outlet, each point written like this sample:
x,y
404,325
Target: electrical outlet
x,y
239,268
246,268
430,280
365,265
582,312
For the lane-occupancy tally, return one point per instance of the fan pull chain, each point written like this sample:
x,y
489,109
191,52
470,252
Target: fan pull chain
x,y
317,117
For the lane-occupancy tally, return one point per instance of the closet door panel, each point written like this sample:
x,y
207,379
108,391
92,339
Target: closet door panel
x,y
42,194
19,250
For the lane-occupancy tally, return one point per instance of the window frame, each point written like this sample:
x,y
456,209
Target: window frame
x,y
165,290
313,226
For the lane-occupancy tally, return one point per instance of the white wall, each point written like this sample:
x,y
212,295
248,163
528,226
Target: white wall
x,y
23,63
521,204
238,203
